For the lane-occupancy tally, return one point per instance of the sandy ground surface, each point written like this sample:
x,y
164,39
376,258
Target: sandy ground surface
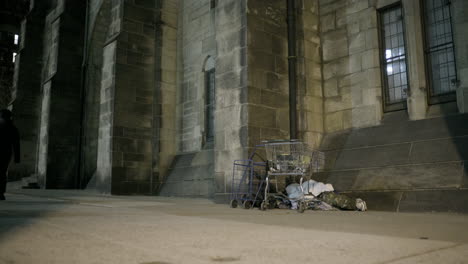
x,y
76,227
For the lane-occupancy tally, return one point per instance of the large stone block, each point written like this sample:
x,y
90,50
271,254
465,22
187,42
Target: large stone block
x,y
331,6
327,22
261,60
357,43
372,39
370,59
331,87
338,103
262,116
274,99
364,116
138,13
334,122
354,6
335,45
355,79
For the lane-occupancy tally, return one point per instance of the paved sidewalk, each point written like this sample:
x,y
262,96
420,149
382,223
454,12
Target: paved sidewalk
x,y
38,226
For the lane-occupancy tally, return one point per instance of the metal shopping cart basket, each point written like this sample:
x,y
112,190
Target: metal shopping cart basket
x,y
248,181
290,158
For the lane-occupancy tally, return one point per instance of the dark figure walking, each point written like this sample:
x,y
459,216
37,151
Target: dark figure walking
x,y
9,145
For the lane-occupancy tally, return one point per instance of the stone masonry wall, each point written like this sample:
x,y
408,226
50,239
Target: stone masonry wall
x,y
268,90
268,72
352,83
197,44
310,90
352,74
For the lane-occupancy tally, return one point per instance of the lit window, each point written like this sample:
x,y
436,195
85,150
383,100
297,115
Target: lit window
x,y
14,57
439,47
210,99
394,58
16,39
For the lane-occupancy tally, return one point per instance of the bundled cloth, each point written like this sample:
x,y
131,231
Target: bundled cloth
x,y
316,188
295,192
343,202
324,193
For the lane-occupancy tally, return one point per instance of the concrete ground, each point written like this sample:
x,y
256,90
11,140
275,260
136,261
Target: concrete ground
x,y
39,226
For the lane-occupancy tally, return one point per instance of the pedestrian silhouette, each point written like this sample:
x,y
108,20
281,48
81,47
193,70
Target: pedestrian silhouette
x,y
9,146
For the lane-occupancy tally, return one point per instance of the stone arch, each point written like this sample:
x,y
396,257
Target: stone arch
x,y
98,34
208,64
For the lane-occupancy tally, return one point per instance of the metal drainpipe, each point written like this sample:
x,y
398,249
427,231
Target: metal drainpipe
x,y
292,60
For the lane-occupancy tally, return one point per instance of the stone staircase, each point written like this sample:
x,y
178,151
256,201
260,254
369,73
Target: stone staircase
x,y
191,175
402,165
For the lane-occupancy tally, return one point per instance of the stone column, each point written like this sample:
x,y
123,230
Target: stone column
x,y
27,88
311,127
267,58
417,97
232,106
129,129
460,24
165,102
58,153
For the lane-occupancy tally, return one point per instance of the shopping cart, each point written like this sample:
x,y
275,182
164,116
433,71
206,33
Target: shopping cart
x,y
290,158
248,181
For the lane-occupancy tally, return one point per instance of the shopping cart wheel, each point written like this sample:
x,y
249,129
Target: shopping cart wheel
x,y
301,207
263,206
233,204
247,204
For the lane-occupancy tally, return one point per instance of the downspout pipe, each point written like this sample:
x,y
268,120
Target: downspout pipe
x,y
292,64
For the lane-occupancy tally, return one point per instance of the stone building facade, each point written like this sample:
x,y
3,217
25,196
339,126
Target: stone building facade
x,y
160,96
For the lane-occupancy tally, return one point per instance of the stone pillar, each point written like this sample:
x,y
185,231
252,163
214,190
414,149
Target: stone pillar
x,y
58,153
460,24
129,125
232,106
267,58
165,102
27,88
310,106
417,97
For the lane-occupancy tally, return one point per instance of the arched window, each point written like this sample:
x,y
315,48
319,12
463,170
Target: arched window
x,y
210,94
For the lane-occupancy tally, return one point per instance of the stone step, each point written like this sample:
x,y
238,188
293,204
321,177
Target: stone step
x,y
202,157
401,131
418,152
407,177
399,155
190,175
